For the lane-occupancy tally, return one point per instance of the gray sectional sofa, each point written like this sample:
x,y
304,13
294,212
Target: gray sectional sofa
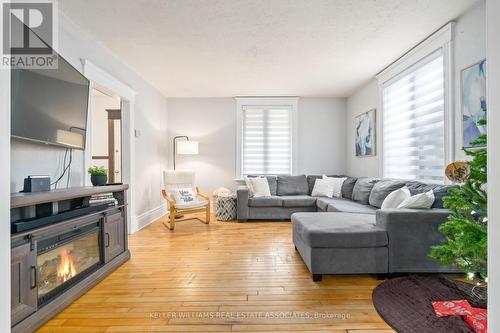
x,y
351,235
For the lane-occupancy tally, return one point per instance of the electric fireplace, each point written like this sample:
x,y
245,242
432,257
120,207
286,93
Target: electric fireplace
x,y
66,258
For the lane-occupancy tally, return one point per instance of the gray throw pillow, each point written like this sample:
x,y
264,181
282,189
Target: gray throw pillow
x,y
383,188
273,183
348,187
440,191
292,185
362,189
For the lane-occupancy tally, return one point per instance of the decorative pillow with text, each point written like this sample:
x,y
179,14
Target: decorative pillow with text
x,y
184,195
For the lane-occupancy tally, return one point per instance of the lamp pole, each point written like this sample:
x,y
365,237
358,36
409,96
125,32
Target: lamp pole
x,y
175,145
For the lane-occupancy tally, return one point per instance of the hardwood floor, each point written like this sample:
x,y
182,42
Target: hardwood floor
x,y
221,277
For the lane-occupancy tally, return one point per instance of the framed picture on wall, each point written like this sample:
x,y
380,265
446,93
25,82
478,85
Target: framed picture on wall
x,y
473,79
364,127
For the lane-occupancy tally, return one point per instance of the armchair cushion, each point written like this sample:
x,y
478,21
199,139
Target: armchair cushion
x,y
193,205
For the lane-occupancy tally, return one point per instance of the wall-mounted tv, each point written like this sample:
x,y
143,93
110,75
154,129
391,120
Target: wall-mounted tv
x,y
50,105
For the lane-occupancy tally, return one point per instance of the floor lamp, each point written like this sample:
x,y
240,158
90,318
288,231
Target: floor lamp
x,y
185,147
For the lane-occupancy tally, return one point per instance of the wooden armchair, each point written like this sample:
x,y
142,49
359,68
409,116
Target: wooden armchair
x,y
183,179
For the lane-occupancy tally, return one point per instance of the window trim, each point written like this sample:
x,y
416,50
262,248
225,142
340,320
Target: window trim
x,y
242,102
440,40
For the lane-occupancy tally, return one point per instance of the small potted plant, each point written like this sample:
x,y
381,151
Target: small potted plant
x,y
98,175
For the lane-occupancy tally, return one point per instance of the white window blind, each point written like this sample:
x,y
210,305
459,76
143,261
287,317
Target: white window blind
x,y
413,115
266,145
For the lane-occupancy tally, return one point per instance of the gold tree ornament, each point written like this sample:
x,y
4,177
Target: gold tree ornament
x,y
458,172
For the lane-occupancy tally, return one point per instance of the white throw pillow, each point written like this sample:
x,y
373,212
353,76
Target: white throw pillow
x,y
322,188
336,184
419,201
260,187
248,183
395,198
184,195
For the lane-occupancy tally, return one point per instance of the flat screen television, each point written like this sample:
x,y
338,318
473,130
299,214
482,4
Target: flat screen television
x,y
50,105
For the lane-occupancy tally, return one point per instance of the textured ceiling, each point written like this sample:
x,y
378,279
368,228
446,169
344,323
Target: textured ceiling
x,y
194,48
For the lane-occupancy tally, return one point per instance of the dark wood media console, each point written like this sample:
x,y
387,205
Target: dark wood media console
x,y
61,246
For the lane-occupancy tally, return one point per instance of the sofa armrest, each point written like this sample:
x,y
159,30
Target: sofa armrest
x,y
242,196
411,234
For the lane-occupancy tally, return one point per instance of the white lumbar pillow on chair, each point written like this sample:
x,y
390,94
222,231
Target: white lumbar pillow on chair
x,y
184,196
260,186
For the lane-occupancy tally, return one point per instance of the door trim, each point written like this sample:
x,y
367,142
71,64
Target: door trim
x,y
106,81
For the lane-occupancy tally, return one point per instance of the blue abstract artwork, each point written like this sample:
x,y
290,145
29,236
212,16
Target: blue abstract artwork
x,y
364,125
473,102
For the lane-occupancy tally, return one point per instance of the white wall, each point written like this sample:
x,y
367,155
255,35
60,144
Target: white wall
x,y
212,122
469,47
150,119
493,76
365,99
49,161
321,134
4,199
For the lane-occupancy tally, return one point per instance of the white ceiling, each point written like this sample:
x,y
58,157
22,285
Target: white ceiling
x,y
214,48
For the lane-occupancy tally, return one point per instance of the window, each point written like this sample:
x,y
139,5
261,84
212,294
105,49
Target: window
x,y
266,135
414,122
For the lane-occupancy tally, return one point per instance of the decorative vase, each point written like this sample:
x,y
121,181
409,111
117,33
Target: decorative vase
x,y
98,180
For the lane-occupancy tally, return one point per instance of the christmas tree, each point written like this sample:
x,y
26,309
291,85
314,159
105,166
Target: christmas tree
x,y
466,228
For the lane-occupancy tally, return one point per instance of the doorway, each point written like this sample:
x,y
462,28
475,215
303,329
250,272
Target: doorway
x,y
107,134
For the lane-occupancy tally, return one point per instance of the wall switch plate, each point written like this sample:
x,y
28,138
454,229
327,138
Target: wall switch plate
x,y
137,133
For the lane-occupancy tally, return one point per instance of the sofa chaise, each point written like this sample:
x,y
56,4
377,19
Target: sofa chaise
x,y
352,235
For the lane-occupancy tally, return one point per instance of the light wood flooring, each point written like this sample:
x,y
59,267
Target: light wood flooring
x,y
221,277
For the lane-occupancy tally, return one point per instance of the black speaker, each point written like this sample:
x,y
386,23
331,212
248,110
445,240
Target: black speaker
x,y
36,184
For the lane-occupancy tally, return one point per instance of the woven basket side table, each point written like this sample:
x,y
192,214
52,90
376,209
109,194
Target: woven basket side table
x,y
225,208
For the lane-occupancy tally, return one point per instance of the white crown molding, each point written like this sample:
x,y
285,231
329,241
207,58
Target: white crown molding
x,y
100,76
431,44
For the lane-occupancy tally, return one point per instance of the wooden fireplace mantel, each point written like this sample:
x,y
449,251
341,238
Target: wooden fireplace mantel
x,y
27,313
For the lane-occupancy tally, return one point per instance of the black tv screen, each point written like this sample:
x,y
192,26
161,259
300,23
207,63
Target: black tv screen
x,y
50,105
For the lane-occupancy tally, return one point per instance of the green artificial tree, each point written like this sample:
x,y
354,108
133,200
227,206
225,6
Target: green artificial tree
x,y
466,228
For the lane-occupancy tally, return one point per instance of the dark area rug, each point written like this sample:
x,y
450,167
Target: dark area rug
x,y
405,303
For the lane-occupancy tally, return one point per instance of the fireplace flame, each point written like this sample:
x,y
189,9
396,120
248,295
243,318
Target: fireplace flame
x,y
66,268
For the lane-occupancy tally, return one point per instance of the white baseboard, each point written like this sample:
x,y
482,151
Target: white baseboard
x,y
150,216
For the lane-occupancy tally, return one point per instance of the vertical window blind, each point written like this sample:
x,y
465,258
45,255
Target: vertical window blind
x,y
413,122
266,141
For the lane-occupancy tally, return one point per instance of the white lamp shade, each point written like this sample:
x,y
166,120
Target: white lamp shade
x,y
187,147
